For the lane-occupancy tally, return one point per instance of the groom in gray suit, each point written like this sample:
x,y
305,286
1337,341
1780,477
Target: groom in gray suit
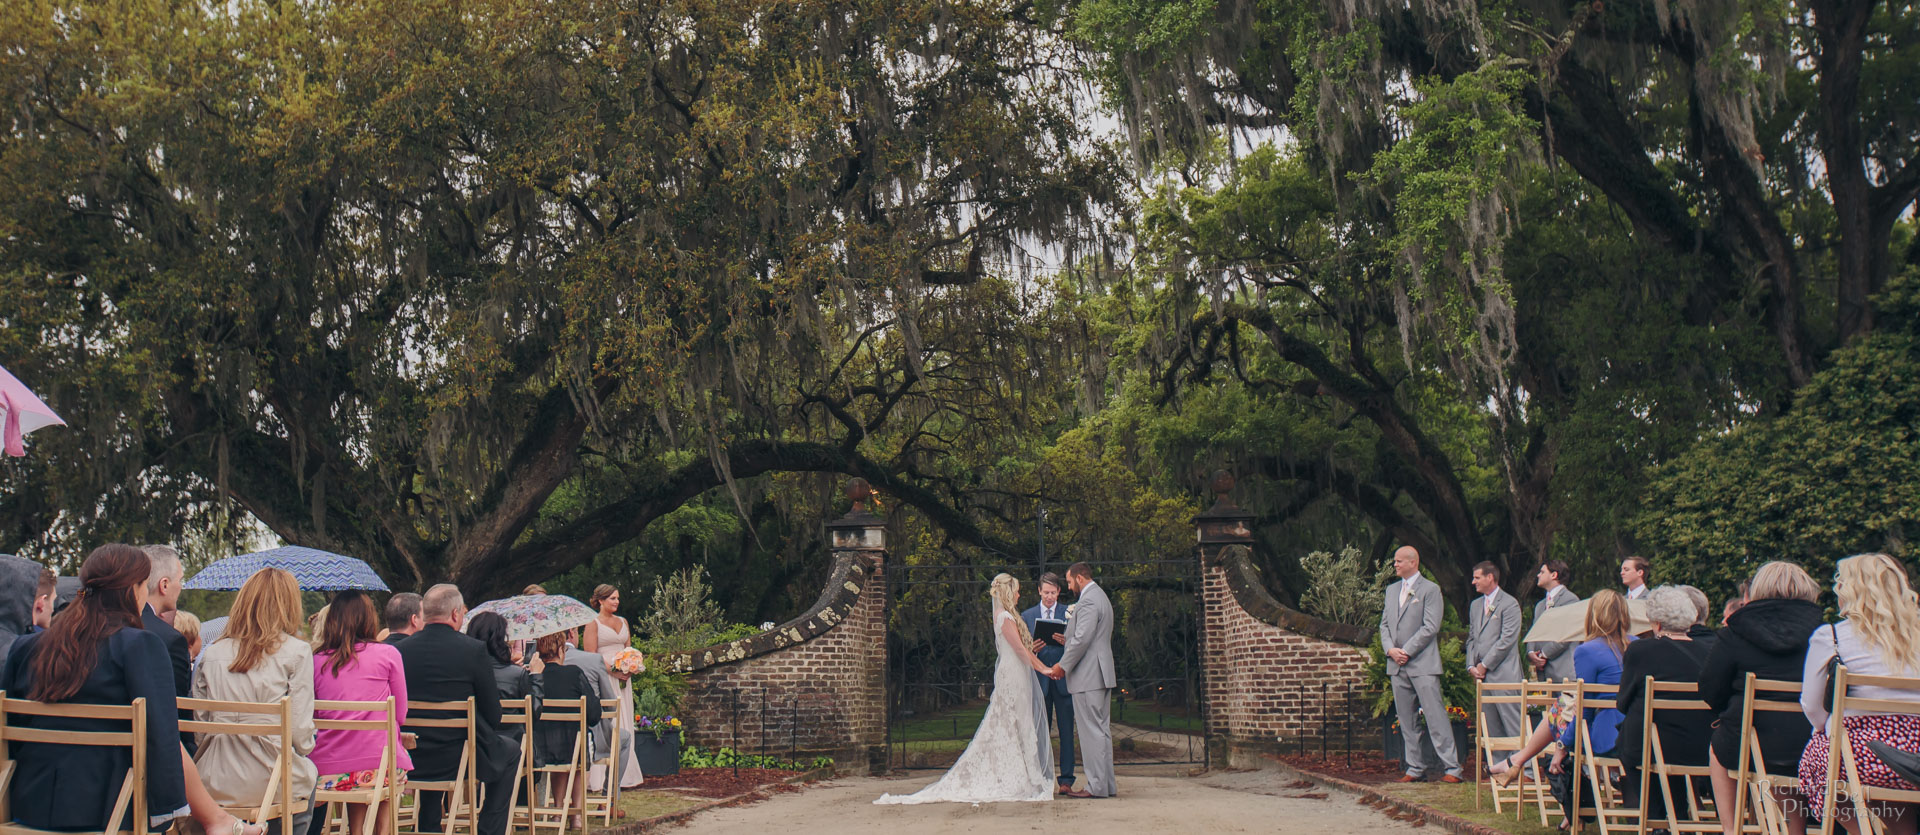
x,y
1409,632
1493,648
1087,667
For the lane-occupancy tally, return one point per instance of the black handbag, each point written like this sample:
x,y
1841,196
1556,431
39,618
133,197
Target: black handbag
x,y
1833,664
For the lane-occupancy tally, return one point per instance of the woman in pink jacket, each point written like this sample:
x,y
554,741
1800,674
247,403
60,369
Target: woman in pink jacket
x,y
349,664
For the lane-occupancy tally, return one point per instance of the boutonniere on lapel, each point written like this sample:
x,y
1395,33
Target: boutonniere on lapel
x,y
1070,610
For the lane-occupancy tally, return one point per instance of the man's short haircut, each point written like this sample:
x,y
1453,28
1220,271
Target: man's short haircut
x,y
1489,569
165,561
1644,566
401,608
1081,570
440,602
45,587
1051,579
1559,570
1700,602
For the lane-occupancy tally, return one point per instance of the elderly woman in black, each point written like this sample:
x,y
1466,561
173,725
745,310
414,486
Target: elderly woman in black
x,y
1670,655
1766,636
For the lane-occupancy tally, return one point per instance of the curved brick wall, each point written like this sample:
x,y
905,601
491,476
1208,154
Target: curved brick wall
x,y
1265,662
815,684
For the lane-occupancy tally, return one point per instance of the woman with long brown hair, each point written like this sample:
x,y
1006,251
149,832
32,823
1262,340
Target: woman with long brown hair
x,y
95,652
259,658
608,635
350,665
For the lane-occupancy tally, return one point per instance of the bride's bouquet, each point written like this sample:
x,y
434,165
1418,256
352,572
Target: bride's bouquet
x,y
628,663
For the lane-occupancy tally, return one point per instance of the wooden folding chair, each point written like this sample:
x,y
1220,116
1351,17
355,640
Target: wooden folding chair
x,y
603,802
383,721
1841,759
277,800
1599,772
1485,696
1750,769
130,807
1532,782
1667,696
463,789
519,713
560,806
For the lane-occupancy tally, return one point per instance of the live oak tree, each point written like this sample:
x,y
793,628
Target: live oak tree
x,y
386,276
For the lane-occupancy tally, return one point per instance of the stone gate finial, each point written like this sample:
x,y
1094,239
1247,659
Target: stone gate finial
x,y
860,492
1224,523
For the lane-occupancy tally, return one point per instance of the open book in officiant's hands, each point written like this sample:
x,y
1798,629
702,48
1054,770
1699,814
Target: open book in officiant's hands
x,y
1046,630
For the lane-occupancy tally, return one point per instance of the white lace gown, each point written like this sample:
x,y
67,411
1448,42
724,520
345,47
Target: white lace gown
x,y
1009,758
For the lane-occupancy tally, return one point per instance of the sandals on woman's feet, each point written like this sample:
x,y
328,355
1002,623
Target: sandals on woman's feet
x,y
236,826
1512,773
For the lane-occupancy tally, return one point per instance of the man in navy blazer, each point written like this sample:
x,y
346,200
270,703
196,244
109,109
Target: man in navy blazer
x,y
1059,701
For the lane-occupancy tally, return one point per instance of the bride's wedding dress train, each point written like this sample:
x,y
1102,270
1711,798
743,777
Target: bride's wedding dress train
x,y
1011,756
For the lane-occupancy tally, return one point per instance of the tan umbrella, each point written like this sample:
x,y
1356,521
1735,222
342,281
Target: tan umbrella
x,y
1569,622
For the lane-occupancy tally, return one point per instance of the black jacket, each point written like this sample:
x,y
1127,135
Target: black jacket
x,y
445,666
182,661
1683,733
393,639
1768,638
19,579
74,787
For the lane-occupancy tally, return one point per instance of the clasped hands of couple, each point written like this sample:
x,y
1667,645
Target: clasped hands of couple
x,y
1054,672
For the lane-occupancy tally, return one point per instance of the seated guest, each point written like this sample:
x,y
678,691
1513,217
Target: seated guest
x,y
1702,633
259,658
553,741
188,624
43,602
1880,636
19,598
444,665
98,652
513,680
1669,655
1597,661
594,667
163,598
1766,636
350,666
403,617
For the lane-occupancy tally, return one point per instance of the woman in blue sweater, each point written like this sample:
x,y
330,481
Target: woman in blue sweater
x,y
1597,661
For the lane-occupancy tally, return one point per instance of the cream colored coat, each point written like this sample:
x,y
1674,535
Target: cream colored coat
x,y
235,768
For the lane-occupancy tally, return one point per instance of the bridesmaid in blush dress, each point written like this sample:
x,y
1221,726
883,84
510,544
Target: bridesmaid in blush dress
x,y
608,636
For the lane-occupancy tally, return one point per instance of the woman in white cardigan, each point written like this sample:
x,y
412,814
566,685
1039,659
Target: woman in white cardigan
x,y
258,659
1880,636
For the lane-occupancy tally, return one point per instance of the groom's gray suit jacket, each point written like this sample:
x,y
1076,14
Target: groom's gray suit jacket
x,y
1088,659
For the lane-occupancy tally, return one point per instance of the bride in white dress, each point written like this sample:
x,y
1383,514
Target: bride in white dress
x,y
1010,757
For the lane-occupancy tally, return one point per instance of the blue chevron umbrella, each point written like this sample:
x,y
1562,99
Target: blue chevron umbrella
x,y
316,570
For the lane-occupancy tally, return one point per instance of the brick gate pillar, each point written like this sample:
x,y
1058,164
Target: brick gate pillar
x,y
1263,663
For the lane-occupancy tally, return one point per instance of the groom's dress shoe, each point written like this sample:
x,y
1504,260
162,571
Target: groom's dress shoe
x,y
1077,793
1904,763
1408,778
1448,778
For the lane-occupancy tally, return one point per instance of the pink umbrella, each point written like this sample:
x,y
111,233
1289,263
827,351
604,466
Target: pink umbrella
x,y
24,412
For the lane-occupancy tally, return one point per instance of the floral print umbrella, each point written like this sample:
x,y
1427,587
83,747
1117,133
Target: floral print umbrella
x,y
530,616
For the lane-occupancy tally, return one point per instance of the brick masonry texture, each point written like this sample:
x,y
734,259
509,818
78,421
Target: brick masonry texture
x,y
814,685
1266,665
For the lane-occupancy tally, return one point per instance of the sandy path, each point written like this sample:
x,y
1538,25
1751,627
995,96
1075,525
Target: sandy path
x,y
1243,802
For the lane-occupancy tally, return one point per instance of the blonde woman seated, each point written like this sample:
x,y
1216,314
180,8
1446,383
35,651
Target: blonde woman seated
x,y
1597,661
259,658
1881,637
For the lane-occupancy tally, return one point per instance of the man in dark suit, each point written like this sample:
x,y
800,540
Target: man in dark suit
x,y
443,665
403,617
163,598
1059,701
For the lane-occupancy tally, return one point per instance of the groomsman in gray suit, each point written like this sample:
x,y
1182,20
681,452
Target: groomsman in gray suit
x,y
1409,632
1493,648
1552,661
1087,667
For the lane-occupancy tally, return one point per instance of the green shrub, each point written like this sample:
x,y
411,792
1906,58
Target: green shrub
x,y
696,757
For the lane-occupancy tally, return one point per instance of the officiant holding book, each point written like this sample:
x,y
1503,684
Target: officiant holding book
x,y
1047,624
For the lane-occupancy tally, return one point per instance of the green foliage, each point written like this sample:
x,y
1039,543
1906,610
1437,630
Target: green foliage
x,y
1836,475
658,693
695,757
1342,589
681,617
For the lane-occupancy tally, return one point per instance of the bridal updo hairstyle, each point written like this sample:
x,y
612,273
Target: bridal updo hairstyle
x,y
1006,596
